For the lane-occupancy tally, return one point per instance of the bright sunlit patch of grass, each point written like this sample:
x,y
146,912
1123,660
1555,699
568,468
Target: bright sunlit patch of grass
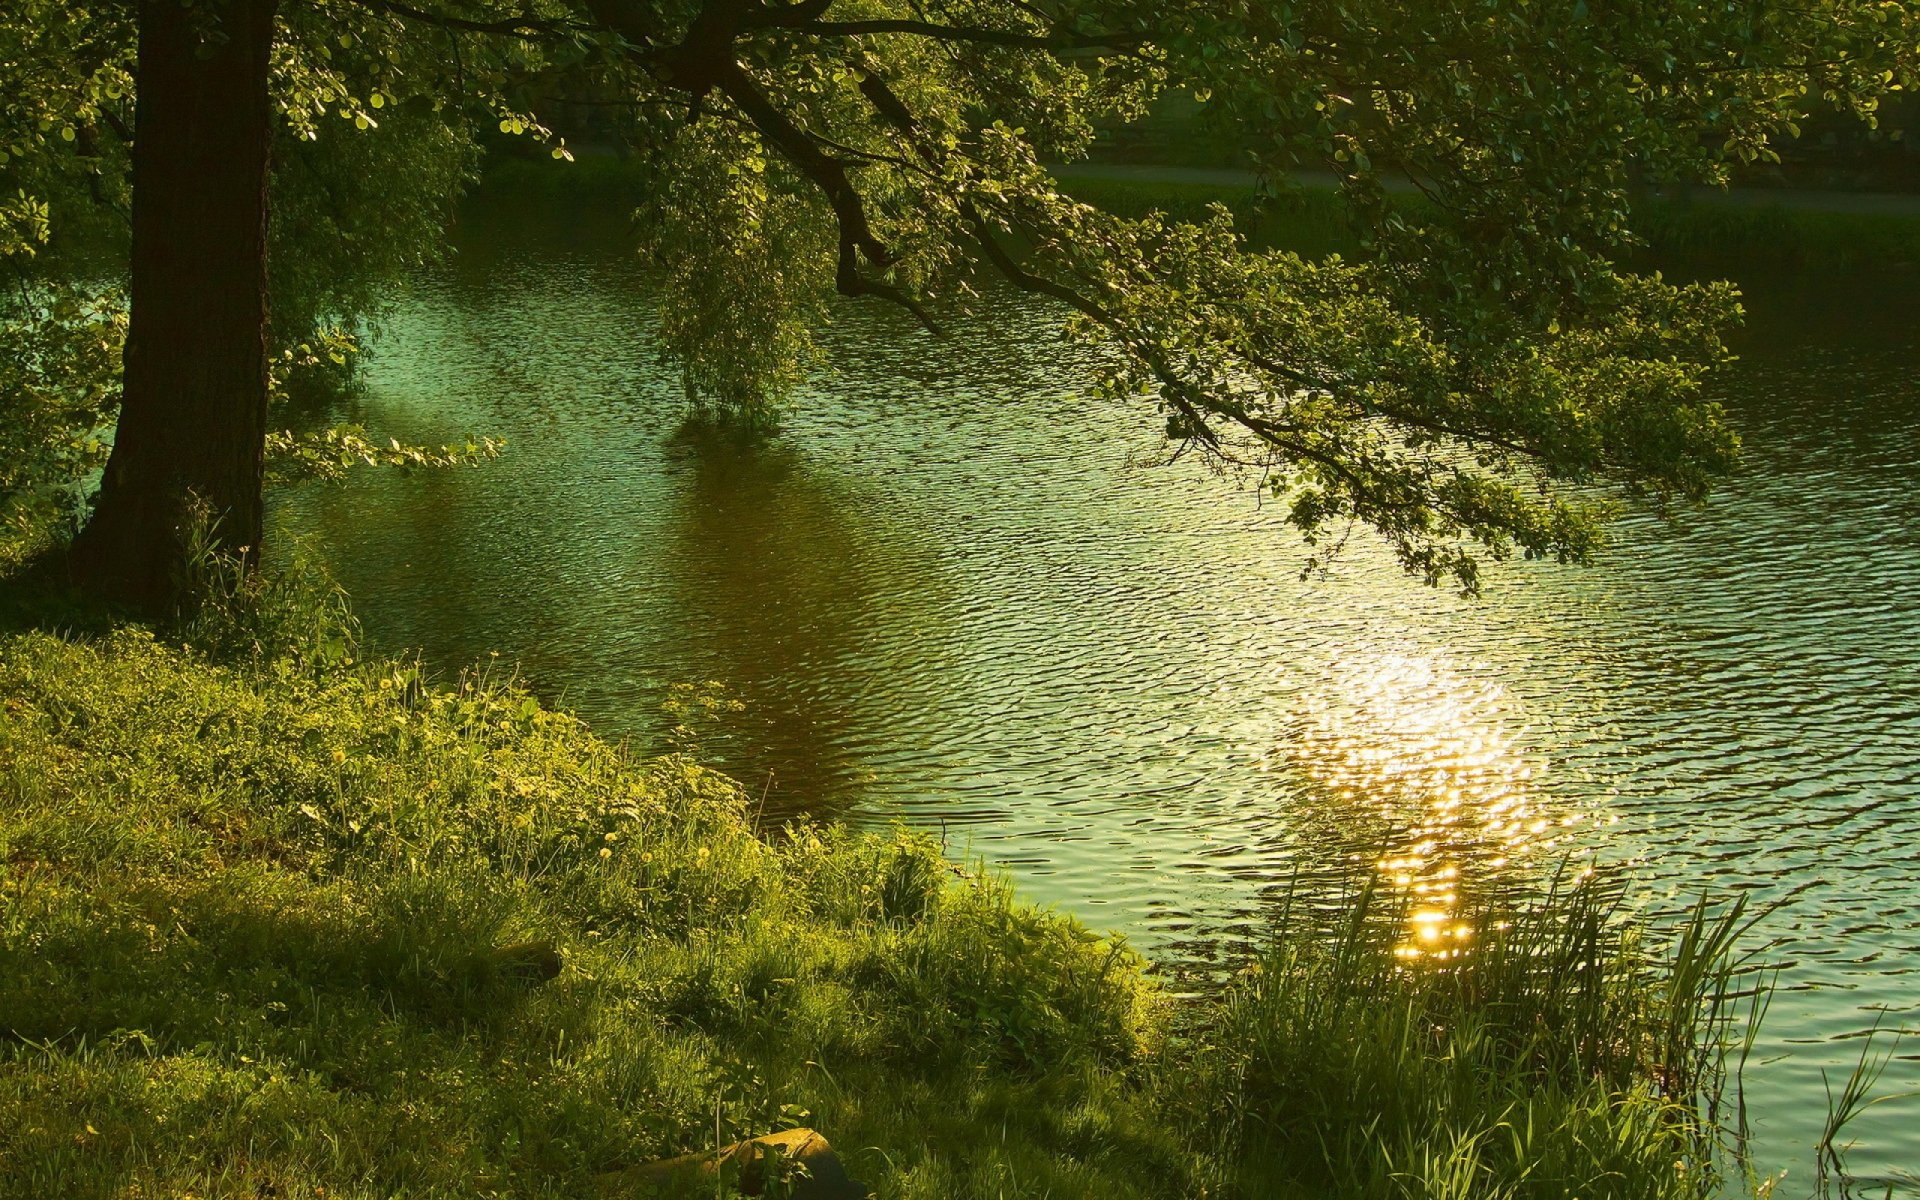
x,y
250,917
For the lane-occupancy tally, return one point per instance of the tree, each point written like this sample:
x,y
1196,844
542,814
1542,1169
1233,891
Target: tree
x,y
193,408
357,203
1461,385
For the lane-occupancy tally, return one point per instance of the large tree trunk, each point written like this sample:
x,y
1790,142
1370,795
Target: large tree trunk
x,y
193,415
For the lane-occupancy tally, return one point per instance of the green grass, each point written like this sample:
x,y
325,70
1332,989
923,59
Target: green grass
x,y
1779,235
253,896
1556,1057
1312,222
248,911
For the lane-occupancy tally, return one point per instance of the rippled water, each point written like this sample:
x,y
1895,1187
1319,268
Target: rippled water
x,y
957,591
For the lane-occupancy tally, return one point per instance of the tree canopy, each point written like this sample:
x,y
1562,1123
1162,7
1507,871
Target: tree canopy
x,y
1463,383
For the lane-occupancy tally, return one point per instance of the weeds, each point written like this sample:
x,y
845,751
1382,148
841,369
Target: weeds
x,y
298,617
1856,1095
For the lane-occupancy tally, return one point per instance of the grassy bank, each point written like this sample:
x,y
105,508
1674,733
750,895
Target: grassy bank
x,y
1311,221
1676,229
275,921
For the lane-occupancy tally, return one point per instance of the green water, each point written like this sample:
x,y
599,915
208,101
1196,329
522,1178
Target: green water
x,y
958,591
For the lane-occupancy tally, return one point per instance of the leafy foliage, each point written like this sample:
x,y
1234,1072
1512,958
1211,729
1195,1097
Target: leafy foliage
x,y
330,453
59,385
1474,380
1478,378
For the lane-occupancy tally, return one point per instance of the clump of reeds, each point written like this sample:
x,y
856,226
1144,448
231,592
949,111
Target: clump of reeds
x,y
1554,1053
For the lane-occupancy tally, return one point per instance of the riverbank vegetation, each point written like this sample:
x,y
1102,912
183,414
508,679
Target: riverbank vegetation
x,y
280,919
1314,221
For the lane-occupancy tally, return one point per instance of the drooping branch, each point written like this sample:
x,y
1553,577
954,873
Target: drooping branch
x,y
976,34
856,236
888,105
1200,409
1176,390
704,60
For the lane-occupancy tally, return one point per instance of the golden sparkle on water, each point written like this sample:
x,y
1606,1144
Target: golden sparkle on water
x,y
1432,756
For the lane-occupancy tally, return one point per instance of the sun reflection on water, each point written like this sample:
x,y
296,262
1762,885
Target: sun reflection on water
x,y
1430,762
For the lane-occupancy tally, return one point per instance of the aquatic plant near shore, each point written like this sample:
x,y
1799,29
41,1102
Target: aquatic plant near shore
x,y
1558,1055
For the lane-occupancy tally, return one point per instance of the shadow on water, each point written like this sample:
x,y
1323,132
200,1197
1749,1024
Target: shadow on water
x,y
774,567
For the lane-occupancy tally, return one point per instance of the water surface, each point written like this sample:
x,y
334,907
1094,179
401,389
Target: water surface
x,y
961,592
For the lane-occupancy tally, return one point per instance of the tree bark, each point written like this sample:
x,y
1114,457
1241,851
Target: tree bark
x,y
193,413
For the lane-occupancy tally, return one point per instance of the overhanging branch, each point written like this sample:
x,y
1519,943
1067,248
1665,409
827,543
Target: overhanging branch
x,y
976,34
857,238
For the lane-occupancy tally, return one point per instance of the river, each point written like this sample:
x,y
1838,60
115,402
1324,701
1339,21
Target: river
x,y
960,592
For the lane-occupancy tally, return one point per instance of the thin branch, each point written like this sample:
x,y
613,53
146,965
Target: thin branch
x,y
976,34
1176,390
857,238
866,156
519,25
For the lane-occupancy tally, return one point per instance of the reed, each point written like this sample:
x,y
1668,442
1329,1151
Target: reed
x,y
1557,1052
